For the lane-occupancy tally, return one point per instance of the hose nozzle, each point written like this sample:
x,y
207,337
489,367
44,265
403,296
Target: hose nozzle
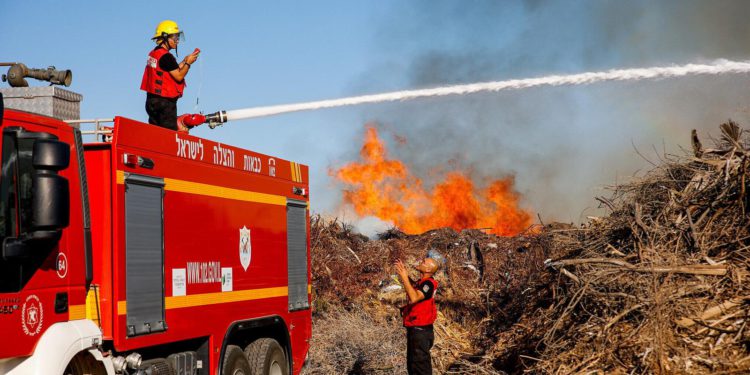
x,y
216,119
188,121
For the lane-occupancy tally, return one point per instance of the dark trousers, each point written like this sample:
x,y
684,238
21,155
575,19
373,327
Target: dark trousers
x,y
419,341
162,111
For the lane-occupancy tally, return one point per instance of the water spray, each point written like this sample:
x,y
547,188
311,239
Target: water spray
x,y
637,74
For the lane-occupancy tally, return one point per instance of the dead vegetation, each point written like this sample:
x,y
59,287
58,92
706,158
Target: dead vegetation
x,y
357,295
657,286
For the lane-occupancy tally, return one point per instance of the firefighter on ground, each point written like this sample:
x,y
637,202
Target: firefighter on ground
x,y
164,78
419,314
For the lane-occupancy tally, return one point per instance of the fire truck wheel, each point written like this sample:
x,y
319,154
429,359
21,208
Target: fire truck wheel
x,y
266,357
235,362
84,364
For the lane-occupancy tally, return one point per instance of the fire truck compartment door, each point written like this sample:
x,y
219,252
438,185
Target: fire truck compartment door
x,y
144,252
296,226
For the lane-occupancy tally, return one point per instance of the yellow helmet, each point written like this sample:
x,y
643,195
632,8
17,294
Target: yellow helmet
x,y
167,27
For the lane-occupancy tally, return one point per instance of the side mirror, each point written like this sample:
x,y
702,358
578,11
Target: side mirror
x,y
50,155
50,206
50,201
37,242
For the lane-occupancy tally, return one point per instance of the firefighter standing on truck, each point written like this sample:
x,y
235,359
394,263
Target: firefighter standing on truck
x,y
164,78
419,314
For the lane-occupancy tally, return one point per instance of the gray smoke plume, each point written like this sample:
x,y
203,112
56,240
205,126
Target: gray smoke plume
x,y
563,144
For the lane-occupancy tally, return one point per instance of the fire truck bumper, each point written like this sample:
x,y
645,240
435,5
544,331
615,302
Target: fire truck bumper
x,y
57,346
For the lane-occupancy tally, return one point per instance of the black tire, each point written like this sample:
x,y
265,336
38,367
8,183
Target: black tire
x,y
251,351
267,357
235,362
83,364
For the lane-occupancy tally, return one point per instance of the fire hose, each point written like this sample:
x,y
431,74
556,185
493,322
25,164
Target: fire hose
x,y
616,75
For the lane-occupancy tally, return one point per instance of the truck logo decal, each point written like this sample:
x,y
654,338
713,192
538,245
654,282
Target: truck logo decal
x,y
32,315
245,247
62,265
272,167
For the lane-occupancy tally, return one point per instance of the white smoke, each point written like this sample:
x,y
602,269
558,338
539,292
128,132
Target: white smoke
x,y
653,73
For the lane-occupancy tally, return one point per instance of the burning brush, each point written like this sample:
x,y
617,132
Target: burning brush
x,y
382,186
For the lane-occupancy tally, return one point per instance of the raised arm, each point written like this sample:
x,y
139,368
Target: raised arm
x,y
183,68
412,294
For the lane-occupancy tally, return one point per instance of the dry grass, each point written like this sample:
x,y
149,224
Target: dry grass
x,y
356,342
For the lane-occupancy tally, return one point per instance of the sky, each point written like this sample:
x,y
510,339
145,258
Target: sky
x,y
563,145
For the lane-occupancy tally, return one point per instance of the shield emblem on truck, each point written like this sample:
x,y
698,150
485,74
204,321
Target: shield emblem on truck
x,y
245,247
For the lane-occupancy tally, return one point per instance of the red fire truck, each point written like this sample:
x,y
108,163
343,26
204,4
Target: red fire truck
x,y
149,252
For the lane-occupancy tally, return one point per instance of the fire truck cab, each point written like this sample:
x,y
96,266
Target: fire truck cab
x,y
148,251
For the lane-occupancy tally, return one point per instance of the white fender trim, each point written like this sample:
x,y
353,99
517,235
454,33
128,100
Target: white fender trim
x,y
57,346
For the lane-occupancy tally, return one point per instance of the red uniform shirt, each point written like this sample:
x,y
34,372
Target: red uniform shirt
x,y
424,312
158,81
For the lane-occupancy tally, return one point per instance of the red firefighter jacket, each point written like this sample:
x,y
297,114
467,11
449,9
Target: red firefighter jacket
x,y
424,312
157,81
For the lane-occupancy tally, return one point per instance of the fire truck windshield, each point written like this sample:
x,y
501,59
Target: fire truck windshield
x,y
15,185
8,202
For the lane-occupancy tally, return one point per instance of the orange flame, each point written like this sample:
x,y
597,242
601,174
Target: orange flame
x,y
385,188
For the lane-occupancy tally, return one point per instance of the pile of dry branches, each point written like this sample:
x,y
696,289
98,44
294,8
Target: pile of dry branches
x,y
658,286
486,284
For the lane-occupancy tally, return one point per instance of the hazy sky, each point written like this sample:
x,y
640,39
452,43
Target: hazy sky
x,y
562,144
